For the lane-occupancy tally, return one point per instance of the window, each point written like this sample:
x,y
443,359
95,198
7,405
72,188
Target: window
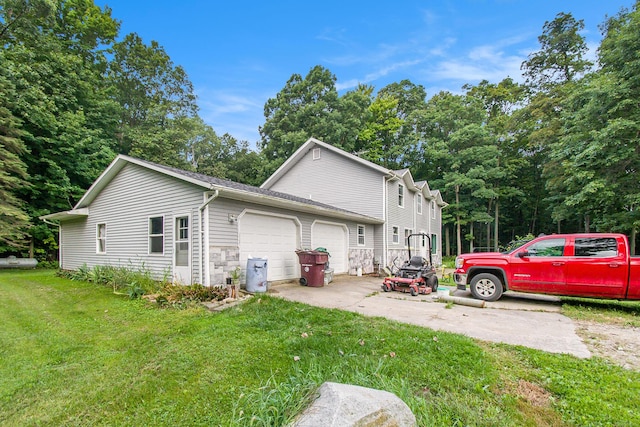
x,y
361,229
423,239
549,247
434,244
316,154
396,235
599,247
408,232
101,239
401,195
419,204
156,235
433,209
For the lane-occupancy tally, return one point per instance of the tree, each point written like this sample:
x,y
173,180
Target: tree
x,y
561,57
55,61
13,174
599,151
460,158
154,98
304,108
311,107
551,76
378,138
400,141
499,102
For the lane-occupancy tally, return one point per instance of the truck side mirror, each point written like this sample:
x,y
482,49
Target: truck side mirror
x,y
522,254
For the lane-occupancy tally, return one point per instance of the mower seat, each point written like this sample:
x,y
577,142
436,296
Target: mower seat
x,y
417,261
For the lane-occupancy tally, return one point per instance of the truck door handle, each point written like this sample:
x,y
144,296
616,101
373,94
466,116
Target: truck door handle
x,y
614,265
557,264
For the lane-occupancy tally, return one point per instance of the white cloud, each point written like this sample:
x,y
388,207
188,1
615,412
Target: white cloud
x,y
375,75
233,113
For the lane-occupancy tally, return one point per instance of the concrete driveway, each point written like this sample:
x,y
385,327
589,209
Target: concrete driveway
x,y
532,321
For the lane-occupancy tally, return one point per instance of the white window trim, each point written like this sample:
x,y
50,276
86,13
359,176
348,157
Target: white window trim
x,y
364,234
316,154
407,233
400,196
419,204
395,234
149,235
433,209
98,238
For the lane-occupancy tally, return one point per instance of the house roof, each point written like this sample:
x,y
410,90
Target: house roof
x,y
403,174
226,188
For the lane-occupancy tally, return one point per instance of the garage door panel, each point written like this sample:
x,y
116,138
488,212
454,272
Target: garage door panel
x,y
274,237
334,238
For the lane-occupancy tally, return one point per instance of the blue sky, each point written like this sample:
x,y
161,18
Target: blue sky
x,y
239,54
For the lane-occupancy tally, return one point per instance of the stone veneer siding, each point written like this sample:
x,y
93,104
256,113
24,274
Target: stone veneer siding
x,y
222,260
361,258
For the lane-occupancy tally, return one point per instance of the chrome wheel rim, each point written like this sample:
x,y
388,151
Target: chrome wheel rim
x,y
486,287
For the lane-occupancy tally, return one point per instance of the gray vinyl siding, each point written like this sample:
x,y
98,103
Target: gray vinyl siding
x,y
423,221
224,233
335,180
401,217
378,244
125,205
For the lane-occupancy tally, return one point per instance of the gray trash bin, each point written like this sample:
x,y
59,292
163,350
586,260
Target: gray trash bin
x,y
256,275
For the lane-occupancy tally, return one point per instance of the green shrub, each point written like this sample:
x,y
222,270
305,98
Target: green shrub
x,y
180,296
134,281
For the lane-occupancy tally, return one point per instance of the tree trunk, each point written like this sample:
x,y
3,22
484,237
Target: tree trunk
x,y
471,239
587,223
447,241
632,241
458,231
488,235
495,228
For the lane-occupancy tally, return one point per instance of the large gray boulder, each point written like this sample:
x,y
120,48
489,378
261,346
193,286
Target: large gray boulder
x,y
343,405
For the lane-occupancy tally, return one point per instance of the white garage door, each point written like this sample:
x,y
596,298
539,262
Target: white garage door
x,y
273,237
334,238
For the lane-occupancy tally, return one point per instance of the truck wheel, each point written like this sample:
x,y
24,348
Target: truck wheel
x,y
486,286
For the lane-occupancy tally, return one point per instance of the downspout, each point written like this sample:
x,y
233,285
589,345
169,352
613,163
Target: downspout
x,y
204,251
385,215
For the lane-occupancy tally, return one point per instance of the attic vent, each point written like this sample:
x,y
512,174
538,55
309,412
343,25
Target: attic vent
x,y
316,154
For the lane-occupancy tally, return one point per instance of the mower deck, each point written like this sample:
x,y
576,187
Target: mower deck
x,y
401,284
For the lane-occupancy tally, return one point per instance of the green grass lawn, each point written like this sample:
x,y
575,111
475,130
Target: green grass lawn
x,y
73,353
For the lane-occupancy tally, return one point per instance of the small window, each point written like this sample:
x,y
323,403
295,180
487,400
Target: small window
x,y
101,239
316,154
156,235
434,244
401,195
396,235
598,247
433,209
547,248
361,229
419,204
423,239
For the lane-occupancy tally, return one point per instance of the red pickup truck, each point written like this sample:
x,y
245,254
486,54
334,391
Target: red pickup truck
x,y
584,265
